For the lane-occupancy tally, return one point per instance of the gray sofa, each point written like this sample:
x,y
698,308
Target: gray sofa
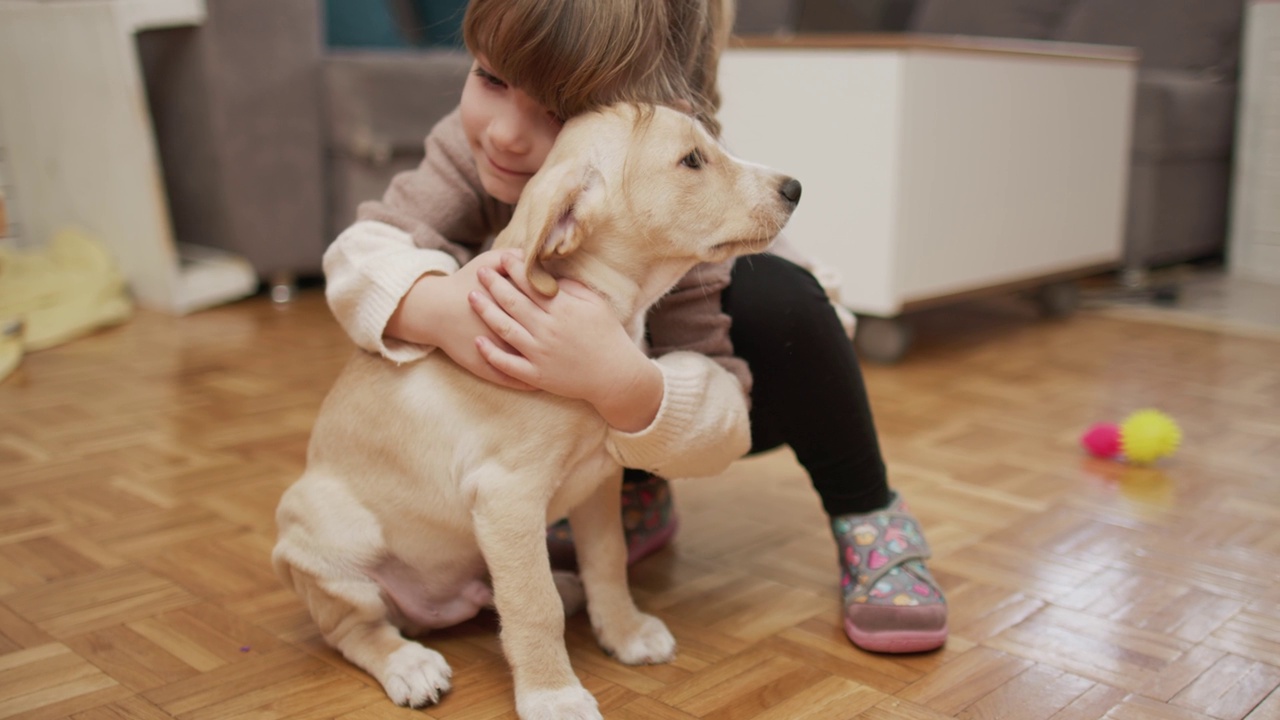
x,y
236,107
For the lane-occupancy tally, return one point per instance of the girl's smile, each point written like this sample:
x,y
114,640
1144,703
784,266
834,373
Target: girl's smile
x,y
505,170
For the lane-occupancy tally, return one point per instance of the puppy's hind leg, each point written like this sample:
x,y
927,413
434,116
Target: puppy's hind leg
x,y
622,630
353,619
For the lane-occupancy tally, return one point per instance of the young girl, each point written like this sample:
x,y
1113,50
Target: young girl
x,y
414,274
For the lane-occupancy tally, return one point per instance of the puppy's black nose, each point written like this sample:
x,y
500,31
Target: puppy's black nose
x,y
790,190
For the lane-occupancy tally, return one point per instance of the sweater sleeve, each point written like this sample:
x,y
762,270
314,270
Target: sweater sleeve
x,y
432,219
702,425
369,269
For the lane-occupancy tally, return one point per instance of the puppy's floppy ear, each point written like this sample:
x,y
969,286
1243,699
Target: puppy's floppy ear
x,y
550,220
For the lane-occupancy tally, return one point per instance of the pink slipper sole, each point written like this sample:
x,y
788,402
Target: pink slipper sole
x,y
896,641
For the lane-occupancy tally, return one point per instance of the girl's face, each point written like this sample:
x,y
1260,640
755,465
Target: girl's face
x,y
509,133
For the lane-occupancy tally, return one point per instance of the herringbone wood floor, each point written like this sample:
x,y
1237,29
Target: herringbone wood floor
x,y
139,469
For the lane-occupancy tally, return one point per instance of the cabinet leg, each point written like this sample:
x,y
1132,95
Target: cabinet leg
x,y
1058,300
284,287
883,340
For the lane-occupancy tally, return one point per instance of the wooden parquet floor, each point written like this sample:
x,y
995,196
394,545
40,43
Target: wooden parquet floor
x,y
140,467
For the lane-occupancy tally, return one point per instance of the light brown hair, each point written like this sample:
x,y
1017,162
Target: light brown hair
x,y
574,56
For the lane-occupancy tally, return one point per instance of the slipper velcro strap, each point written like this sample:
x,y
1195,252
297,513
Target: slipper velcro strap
x,y
874,544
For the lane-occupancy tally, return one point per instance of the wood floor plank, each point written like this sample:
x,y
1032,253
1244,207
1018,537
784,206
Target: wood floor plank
x,y
17,633
49,679
130,708
1094,704
1253,633
1180,673
1230,689
965,680
1269,708
832,699
90,602
1092,647
130,658
1040,693
1136,707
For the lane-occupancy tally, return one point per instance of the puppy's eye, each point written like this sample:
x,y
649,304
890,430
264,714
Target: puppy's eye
x,y
693,160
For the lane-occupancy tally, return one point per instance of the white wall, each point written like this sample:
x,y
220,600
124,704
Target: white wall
x,y
10,231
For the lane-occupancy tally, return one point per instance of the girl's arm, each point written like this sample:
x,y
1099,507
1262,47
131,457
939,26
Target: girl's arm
x,y
393,279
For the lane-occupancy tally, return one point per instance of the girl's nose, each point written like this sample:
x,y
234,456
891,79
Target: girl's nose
x,y
509,132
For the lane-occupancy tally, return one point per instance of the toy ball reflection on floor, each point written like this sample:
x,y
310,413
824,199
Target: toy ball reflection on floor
x,y
1143,438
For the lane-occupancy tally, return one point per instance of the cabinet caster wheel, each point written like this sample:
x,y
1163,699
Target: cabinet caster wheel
x,y
1166,295
284,288
882,340
1058,300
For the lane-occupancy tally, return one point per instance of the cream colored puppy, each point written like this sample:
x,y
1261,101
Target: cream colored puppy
x,y
428,491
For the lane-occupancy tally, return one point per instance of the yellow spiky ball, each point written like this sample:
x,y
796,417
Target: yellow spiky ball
x,y
1149,435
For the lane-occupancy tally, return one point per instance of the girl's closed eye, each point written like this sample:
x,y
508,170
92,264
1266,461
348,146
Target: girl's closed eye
x,y
497,83
489,78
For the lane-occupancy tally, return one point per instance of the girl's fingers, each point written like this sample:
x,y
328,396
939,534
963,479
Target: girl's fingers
x,y
509,296
514,270
513,366
497,320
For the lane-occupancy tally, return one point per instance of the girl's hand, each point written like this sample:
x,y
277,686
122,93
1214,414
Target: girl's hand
x,y
436,312
571,345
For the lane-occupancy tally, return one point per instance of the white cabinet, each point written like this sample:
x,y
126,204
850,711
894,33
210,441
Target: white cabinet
x,y
937,167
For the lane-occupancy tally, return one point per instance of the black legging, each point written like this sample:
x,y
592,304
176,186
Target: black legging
x,y
808,390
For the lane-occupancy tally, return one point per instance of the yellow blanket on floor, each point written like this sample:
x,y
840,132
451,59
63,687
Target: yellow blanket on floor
x,y
57,294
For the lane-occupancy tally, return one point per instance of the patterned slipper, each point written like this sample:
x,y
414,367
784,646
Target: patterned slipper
x,y
648,519
891,602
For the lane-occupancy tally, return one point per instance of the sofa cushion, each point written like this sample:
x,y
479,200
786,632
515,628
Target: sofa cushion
x,y
1035,19
1182,116
764,17
1198,35
846,16
383,103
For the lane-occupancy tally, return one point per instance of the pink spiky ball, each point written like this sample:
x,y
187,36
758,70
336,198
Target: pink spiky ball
x,y
1102,440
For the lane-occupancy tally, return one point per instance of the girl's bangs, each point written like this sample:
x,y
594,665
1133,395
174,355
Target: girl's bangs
x,y
571,57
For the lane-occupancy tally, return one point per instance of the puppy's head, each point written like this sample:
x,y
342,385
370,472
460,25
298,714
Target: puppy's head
x,y
640,184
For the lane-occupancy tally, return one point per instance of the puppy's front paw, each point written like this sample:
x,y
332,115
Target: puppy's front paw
x,y
568,703
648,642
415,676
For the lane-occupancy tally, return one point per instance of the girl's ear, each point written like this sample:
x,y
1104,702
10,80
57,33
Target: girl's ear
x,y
683,106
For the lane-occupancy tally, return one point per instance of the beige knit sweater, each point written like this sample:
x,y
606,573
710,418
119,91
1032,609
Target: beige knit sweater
x,y
436,218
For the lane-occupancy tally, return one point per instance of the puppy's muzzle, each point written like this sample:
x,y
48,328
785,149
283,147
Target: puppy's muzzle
x,y
790,190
